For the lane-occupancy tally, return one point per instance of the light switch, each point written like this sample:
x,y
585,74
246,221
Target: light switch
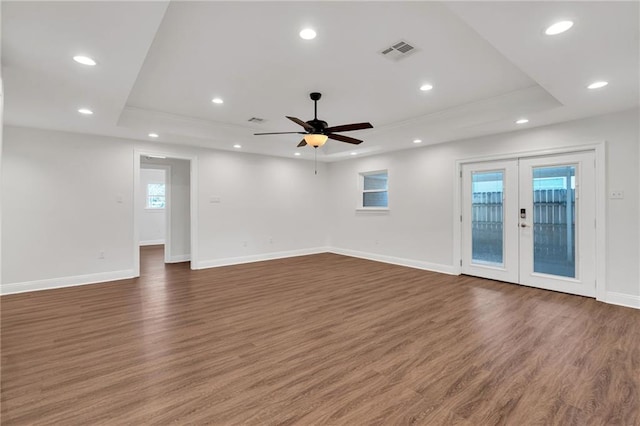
x,y
214,200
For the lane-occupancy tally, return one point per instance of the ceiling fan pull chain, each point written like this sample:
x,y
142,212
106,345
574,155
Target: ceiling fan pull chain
x,y
315,160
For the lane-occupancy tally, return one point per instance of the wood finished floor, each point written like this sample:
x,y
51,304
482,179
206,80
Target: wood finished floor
x,y
321,339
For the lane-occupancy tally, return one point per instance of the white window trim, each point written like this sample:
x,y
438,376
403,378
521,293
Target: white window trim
x,y
361,191
372,209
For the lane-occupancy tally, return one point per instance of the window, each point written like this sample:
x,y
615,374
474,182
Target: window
x,y
155,196
374,188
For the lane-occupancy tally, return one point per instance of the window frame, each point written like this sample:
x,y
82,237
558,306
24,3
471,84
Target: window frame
x,y
361,191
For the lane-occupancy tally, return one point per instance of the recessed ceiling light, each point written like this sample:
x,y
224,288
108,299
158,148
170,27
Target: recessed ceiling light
x,y
84,60
558,27
308,34
354,153
417,141
217,100
153,135
85,111
522,121
237,146
597,84
297,154
426,87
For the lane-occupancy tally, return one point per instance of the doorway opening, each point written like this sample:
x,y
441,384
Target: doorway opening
x,y
164,219
155,183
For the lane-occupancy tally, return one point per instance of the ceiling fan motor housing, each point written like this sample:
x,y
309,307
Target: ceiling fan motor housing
x,y
318,125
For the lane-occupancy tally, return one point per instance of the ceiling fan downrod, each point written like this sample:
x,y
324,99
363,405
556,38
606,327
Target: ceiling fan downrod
x,y
315,97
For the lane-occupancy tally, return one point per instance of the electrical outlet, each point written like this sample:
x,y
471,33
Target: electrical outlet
x,y
270,240
244,244
616,194
101,254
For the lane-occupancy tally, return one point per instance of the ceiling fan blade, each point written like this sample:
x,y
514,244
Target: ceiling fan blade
x,y
300,122
302,143
281,133
346,139
348,127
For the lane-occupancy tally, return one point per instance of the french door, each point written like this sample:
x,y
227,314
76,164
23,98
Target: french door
x,y
531,221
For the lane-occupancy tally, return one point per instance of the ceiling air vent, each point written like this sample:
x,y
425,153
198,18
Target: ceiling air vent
x,y
256,120
398,50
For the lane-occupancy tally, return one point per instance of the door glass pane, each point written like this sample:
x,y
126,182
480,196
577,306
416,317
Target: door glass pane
x,y
554,201
487,238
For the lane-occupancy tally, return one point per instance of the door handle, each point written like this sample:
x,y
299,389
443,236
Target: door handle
x,y
524,225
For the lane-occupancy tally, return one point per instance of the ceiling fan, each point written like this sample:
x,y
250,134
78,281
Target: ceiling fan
x,y
318,131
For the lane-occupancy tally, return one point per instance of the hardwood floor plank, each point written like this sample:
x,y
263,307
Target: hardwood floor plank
x,y
321,339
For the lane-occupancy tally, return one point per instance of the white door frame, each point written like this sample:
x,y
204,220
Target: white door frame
x,y
599,148
193,201
167,216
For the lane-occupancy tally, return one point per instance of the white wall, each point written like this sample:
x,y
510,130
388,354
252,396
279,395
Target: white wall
x,y
266,205
152,221
180,199
61,194
1,138
67,197
418,229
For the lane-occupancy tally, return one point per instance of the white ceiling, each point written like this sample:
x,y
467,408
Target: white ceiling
x,y
161,63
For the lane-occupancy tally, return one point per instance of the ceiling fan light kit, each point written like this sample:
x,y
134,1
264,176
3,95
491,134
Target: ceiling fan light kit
x,y
315,140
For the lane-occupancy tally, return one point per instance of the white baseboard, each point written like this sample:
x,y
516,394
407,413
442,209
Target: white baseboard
x,y
614,298
76,280
178,258
623,299
259,257
151,243
417,264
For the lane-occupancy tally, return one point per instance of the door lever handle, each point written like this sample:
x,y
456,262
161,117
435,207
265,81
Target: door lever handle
x,y
524,225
